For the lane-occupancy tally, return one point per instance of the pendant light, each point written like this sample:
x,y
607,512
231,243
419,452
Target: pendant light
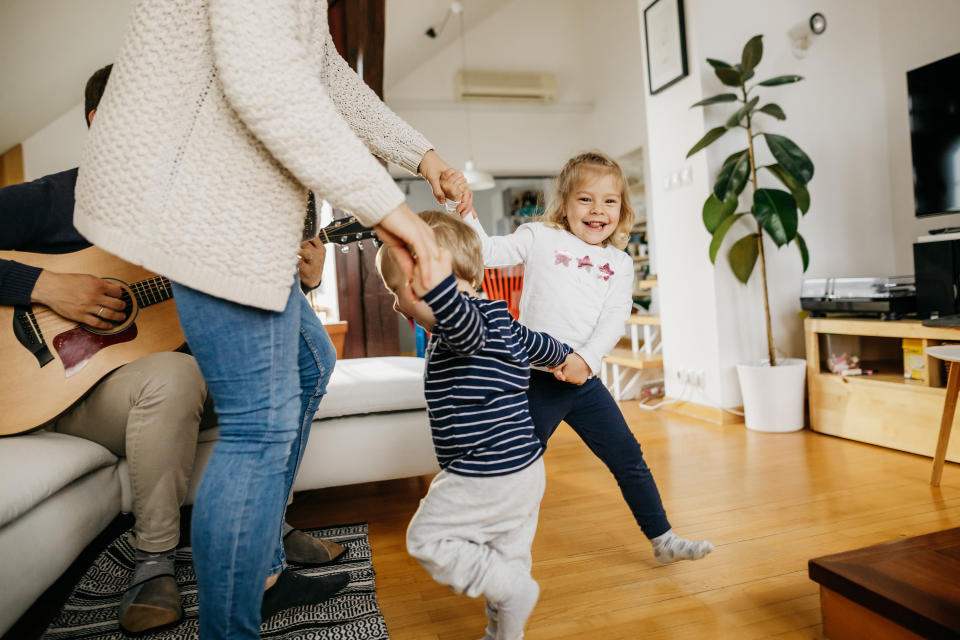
x,y
477,180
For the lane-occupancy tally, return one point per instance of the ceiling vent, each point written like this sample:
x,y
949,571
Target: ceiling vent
x,y
504,86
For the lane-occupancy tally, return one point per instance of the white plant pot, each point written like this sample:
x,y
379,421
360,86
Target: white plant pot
x,y
773,396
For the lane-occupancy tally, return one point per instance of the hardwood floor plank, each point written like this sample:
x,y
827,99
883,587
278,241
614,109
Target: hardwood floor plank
x,y
769,502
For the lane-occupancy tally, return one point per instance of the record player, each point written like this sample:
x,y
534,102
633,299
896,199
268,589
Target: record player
x,y
887,298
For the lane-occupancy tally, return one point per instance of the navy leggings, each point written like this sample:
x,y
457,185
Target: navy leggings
x,y
596,418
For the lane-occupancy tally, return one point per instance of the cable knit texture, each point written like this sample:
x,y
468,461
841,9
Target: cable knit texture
x,y
218,117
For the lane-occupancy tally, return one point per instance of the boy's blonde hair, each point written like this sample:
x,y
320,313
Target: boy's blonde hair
x,y
570,176
463,243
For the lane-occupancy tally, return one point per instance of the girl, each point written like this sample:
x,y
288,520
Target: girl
x,y
577,287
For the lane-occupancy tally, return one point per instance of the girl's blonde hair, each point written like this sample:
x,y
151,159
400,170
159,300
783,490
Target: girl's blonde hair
x,y
570,176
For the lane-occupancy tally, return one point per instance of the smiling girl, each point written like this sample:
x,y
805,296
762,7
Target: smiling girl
x,y
578,287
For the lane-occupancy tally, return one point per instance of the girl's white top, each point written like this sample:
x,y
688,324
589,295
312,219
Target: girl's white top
x,y
218,117
580,294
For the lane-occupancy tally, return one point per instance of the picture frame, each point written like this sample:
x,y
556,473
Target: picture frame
x,y
667,48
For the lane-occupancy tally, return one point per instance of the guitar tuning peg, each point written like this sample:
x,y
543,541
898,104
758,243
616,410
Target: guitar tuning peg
x,y
360,245
344,248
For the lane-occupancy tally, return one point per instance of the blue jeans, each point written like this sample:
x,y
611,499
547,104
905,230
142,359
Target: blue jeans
x,y
266,372
592,413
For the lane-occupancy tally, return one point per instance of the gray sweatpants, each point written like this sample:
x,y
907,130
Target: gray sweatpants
x,y
474,534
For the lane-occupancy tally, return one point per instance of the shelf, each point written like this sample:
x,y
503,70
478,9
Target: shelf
x,y
641,258
881,380
881,328
645,284
625,358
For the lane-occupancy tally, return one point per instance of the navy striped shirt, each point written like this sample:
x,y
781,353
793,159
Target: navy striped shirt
x,y
476,378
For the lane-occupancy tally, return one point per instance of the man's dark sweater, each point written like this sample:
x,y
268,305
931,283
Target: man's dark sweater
x,y
37,217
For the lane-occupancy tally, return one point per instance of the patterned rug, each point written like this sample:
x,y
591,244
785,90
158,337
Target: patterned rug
x,y
352,614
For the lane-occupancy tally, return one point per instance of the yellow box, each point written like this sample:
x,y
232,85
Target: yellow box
x,y
914,362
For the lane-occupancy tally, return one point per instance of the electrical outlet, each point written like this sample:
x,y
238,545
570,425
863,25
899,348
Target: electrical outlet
x,y
696,378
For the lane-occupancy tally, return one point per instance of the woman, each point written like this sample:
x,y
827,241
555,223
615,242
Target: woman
x,y
219,116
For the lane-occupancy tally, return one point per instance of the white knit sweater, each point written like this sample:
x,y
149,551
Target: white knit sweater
x,y
218,116
580,294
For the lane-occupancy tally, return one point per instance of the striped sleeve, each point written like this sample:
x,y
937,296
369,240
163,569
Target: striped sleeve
x,y
543,349
459,324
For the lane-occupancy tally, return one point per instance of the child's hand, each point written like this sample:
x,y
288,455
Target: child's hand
x,y
574,370
438,265
454,186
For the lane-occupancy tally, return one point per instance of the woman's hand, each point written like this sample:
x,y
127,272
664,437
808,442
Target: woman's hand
x,y
312,256
408,237
431,168
455,185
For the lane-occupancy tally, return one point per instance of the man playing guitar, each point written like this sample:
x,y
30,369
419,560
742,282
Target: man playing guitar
x,y
149,410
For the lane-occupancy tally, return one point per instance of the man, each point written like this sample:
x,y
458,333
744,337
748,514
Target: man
x,y
149,410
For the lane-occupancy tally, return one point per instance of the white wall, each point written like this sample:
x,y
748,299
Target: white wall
x,y
913,34
57,146
839,115
686,292
594,55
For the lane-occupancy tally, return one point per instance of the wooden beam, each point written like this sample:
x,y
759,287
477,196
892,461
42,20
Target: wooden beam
x,y
11,166
357,27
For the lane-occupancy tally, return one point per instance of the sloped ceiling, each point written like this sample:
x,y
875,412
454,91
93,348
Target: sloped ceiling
x,y
48,49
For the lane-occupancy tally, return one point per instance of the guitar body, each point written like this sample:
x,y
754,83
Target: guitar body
x,y
67,359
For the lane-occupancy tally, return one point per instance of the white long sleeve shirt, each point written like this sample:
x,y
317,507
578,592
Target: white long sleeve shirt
x,y
578,293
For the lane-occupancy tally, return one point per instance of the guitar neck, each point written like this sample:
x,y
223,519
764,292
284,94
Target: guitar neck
x,y
152,291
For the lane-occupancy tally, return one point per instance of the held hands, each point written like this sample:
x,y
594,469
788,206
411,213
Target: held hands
x,y
80,297
431,168
428,273
455,185
310,267
574,370
406,235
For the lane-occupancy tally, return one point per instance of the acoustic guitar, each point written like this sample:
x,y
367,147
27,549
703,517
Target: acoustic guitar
x,y
50,362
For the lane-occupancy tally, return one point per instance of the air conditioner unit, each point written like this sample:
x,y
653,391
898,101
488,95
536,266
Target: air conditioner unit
x,y
504,86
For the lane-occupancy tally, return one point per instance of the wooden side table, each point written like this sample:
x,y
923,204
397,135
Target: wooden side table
x,y
951,355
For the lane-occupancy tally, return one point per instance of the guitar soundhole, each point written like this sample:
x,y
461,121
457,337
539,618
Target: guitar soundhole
x,y
130,310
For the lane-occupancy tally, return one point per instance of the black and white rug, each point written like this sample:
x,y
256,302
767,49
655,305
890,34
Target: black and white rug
x,y
352,614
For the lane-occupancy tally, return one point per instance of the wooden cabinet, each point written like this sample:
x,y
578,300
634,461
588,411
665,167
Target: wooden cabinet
x,y
885,408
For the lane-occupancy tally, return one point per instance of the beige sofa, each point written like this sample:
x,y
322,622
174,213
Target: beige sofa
x,y
57,492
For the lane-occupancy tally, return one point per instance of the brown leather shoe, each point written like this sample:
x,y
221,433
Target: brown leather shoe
x,y
150,606
302,548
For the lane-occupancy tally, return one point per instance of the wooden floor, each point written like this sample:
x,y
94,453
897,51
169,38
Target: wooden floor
x,y
769,502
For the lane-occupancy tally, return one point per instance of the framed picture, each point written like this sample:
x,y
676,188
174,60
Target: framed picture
x,y
666,44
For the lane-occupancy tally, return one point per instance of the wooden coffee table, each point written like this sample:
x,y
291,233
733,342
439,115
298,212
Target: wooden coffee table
x,y
904,589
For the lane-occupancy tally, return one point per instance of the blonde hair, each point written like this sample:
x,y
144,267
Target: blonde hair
x,y
571,175
463,243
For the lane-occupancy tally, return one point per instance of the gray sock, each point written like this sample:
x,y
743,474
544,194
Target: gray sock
x,y
151,565
287,528
669,547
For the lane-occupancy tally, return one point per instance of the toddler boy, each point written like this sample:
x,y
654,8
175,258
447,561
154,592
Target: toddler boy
x,y
474,528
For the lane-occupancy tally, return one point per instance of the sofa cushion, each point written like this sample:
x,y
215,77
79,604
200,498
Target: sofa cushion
x,y
373,385
35,466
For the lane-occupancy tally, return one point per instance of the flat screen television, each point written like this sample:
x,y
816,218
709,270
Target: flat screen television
x,y
934,93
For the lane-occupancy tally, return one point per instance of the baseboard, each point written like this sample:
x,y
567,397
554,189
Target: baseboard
x,y
716,415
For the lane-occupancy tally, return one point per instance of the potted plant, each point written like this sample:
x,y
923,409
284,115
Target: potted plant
x,y
772,390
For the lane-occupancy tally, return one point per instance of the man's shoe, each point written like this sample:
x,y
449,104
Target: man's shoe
x,y
150,606
303,549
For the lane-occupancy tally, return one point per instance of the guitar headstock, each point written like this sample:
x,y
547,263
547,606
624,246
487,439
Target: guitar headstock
x,y
347,231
